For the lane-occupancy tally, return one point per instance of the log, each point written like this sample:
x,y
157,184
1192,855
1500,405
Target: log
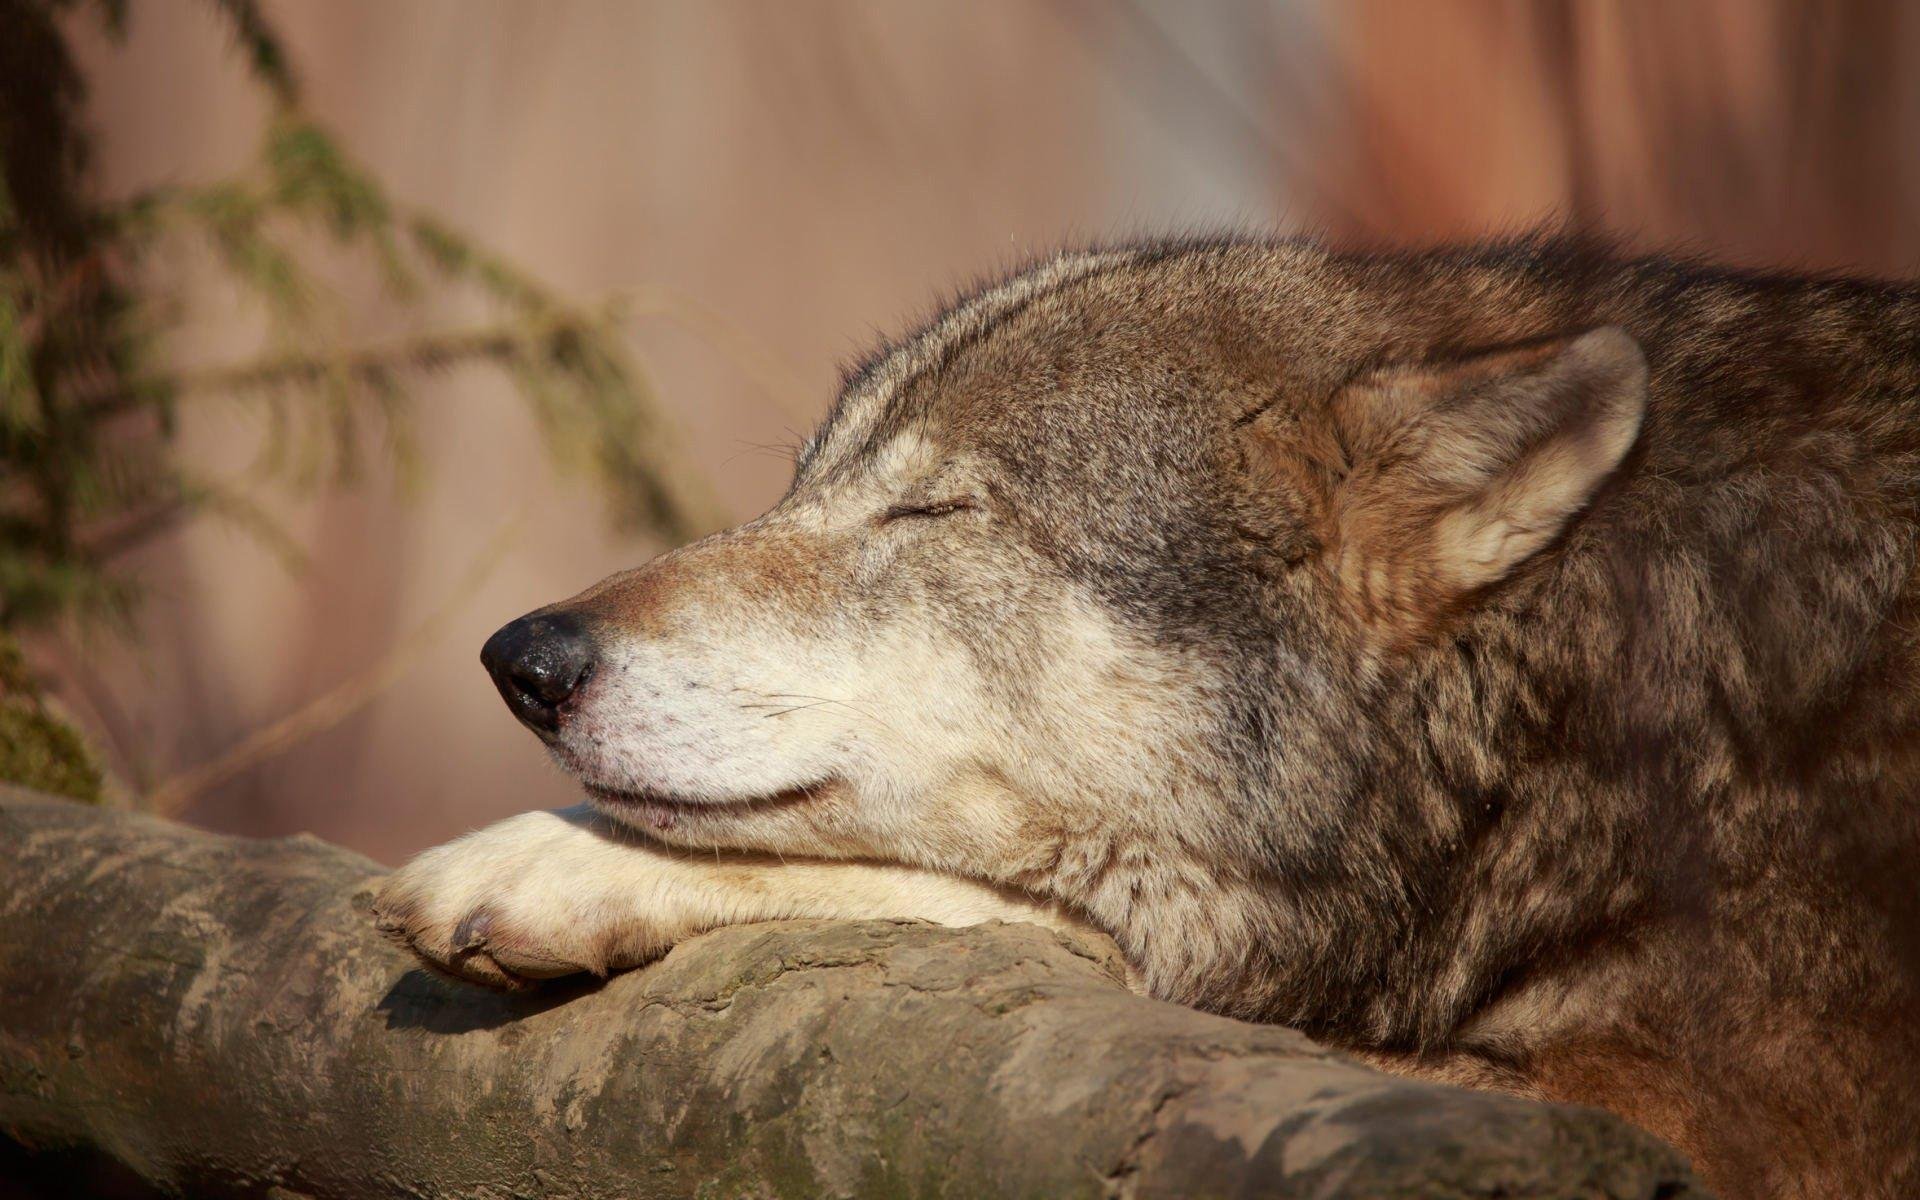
x,y
188,1014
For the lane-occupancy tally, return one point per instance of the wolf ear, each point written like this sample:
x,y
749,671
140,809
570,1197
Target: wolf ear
x,y
1457,473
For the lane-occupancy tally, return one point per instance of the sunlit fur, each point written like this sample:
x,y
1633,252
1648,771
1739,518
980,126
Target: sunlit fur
x,y
1499,662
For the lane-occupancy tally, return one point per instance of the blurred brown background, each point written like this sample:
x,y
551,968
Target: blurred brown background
x,y
773,183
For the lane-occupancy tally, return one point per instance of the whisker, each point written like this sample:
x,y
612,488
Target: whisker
x,y
784,453
794,708
852,706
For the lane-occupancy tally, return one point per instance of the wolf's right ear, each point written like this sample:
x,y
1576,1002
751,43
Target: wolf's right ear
x,y
1454,474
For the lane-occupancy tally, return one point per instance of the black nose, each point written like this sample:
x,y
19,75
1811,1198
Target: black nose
x,y
537,662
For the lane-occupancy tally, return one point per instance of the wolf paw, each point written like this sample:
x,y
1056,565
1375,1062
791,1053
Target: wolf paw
x,y
516,903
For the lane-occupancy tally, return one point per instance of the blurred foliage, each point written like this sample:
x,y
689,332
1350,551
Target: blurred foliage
x,y
90,401
37,748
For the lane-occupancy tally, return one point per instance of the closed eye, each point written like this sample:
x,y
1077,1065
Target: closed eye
x,y
940,509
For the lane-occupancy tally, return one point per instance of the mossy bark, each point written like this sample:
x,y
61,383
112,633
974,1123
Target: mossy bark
x,y
216,1016
37,748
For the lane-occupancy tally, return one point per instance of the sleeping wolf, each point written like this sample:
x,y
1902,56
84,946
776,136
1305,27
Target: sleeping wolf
x,y
1499,662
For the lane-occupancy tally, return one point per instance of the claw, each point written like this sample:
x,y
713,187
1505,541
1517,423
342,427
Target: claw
x,y
471,933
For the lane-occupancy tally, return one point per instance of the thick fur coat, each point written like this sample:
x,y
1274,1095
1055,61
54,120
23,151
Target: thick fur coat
x,y
1499,662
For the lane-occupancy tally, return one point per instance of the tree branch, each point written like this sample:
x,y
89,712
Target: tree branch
x,y
216,1016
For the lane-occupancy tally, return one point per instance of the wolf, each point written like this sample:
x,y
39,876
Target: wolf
x,y
1496,661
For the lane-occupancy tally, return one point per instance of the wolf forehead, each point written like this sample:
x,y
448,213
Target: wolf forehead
x,y
1133,365
1126,360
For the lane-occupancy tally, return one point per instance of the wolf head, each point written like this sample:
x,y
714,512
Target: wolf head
x,y
1109,583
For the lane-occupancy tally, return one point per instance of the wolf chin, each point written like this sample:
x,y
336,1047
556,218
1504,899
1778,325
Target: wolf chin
x,y
1498,662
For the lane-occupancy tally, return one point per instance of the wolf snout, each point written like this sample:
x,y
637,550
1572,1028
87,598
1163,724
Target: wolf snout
x,y
539,662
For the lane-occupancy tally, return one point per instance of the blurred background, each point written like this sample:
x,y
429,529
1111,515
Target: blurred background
x,y
370,325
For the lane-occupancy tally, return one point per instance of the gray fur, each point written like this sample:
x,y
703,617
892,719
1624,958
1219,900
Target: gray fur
x,y
1526,708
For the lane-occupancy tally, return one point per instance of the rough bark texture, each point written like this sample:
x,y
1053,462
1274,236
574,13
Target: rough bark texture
x,y
216,1016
